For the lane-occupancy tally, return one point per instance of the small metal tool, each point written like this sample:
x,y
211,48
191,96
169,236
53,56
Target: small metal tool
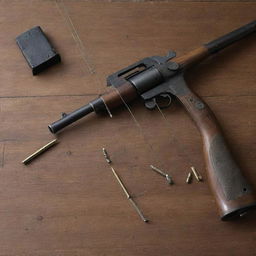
x,y
129,196
40,151
198,176
105,153
167,176
189,178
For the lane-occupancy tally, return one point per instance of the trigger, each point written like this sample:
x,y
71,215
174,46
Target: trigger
x,y
150,103
163,100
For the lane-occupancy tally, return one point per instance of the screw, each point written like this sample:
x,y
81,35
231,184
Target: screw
x,y
167,176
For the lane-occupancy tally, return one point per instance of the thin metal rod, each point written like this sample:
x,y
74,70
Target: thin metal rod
x,y
138,210
135,206
120,183
40,151
108,110
158,170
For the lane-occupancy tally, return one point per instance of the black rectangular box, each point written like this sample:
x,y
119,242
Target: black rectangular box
x,y
37,50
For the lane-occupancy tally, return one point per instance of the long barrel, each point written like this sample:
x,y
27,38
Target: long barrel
x,y
230,38
216,45
127,92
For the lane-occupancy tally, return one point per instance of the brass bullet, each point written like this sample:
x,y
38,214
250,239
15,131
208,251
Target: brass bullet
x,y
198,176
189,178
40,151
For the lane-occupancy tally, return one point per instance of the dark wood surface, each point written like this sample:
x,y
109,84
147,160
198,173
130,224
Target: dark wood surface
x,y
67,202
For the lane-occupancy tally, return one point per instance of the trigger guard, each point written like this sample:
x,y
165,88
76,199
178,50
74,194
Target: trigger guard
x,y
164,96
150,104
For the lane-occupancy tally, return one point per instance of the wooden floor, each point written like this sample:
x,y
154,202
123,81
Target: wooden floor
x,y
67,202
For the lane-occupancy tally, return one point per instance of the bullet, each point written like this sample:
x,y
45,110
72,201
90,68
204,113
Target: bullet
x,y
198,176
39,151
189,178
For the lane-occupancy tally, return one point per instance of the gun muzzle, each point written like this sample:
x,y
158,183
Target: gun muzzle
x,y
68,119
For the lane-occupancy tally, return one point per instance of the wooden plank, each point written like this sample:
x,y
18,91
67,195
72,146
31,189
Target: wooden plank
x,y
67,201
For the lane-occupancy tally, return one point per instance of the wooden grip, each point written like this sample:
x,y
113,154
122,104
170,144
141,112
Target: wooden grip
x,y
234,196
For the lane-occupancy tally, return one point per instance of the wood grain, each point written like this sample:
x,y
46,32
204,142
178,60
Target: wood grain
x,y
67,202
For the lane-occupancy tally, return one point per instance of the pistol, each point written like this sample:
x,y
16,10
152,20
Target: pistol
x,y
156,79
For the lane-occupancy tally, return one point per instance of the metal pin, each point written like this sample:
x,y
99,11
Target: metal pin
x,y
138,210
105,153
108,110
189,178
129,196
40,151
121,183
198,176
167,176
